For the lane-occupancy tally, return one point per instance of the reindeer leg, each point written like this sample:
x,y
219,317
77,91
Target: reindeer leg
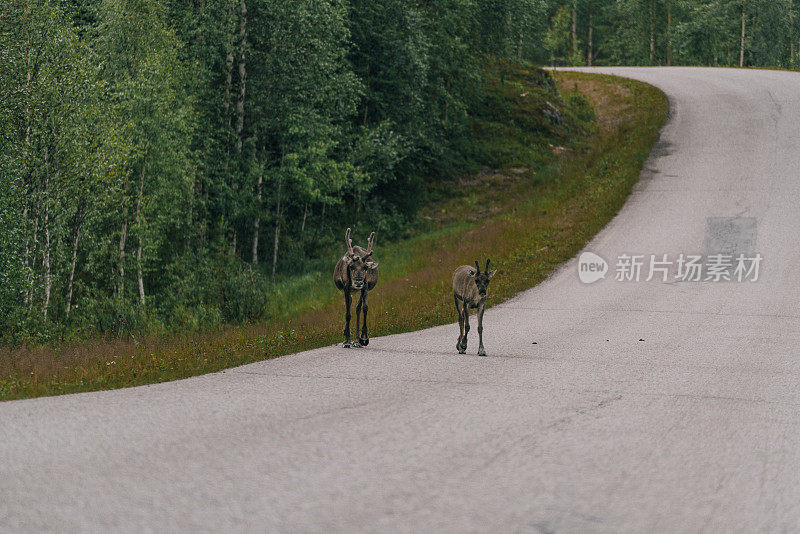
x,y
364,337
460,325
347,300
466,328
481,350
358,320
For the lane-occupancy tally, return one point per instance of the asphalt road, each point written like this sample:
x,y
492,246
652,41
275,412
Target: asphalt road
x,y
643,406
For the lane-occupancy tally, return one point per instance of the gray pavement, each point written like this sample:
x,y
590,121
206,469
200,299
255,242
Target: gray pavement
x,y
694,429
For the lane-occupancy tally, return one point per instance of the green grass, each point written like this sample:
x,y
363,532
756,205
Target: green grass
x,y
536,209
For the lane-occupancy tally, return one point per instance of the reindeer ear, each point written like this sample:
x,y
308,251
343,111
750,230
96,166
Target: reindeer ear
x,y
491,273
347,259
472,272
372,264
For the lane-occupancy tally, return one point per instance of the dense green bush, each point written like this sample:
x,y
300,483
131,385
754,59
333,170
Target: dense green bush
x,y
579,106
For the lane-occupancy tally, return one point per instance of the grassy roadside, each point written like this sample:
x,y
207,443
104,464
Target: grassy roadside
x,y
530,216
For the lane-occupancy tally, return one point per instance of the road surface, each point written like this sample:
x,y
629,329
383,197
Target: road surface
x,y
643,406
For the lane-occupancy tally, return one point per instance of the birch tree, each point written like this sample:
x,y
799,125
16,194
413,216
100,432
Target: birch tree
x,y
139,59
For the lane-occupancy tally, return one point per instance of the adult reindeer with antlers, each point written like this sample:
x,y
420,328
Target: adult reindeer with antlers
x,y
469,291
356,272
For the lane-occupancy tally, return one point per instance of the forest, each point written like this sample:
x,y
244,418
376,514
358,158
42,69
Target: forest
x,y
165,164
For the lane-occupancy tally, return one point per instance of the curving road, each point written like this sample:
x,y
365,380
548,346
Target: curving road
x,y
643,406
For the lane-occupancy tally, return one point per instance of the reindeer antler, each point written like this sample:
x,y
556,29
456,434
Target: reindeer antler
x,y
477,266
487,266
348,242
369,243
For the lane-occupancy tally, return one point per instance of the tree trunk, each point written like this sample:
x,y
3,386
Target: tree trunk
x,y
741,44
28,280
46,265
140,229
653,32
226,102
366,96
139,271
275,250
278,215
75,241
226,106
240,104
46,228
26,257
320,225
446,100
590,35
574,27
34,249
28,85
669,33
257,218
242,75
305,213
122,236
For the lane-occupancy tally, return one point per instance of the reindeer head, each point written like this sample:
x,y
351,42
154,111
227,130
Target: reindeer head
x,y
482,278
358,264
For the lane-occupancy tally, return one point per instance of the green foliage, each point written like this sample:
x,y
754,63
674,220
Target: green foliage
x,y
579,106
168,164
695,32
510,124
557,40
56,142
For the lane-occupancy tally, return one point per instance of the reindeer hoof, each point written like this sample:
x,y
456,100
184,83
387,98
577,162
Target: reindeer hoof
x,y
364,342
481,353
346,345
462,351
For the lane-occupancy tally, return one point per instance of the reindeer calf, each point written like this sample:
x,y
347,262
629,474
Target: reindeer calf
x,y
469,291
356,273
